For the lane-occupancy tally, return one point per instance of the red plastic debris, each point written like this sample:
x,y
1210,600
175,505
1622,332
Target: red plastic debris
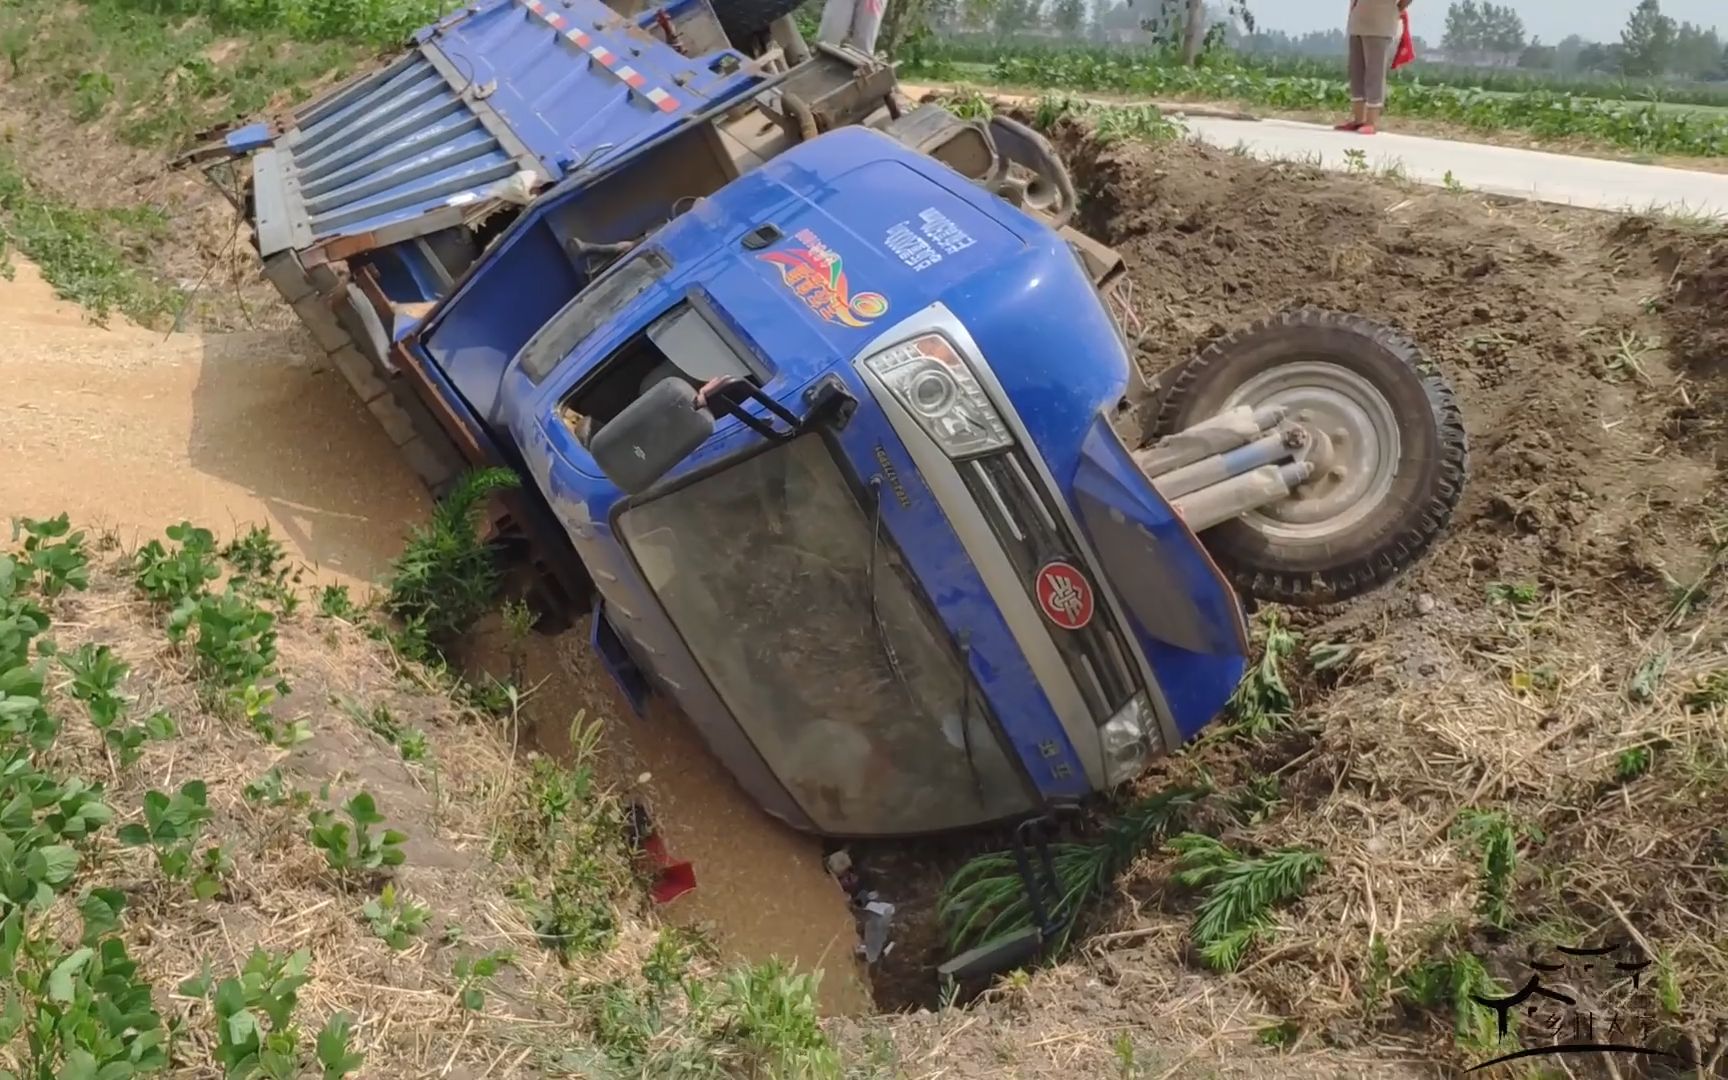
x,y
1406,45
672,877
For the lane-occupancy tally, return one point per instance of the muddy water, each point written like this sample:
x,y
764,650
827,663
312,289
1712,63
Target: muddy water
x,y
761,889
131,433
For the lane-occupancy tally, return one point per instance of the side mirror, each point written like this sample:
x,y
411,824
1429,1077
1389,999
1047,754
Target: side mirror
x,y
651,435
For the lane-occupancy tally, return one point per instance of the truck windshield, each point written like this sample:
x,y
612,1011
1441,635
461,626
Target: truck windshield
x,y
765,569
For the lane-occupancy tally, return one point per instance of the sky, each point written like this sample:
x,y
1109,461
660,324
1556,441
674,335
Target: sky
x,y
1597,20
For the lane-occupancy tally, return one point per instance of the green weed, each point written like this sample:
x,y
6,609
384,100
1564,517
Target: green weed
x,y
447,576
1633,762
1520,596
985,900
1708,692
1455,980
253,703
1240,892
1495,837
335,603
1262,704
260,571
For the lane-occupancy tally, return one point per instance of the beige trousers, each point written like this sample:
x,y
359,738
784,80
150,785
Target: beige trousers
x,y
1370,59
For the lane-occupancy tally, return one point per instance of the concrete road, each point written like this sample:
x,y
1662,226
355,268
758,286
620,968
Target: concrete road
x,y
1498,170
1495,170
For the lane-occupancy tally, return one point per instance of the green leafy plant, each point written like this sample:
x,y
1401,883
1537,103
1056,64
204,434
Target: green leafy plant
x,y
1239,892
335,603
772,1018
171,828
1456,979
271,789
413,746
258,560
96,674
1495,836
82,1013
352,848
1519,596
1633,762
173,576
22,715
255,1030
396,919
473,973
41,817
253,703
985,899
1263,703
447,576
234,638
21,620
53,553
336,1056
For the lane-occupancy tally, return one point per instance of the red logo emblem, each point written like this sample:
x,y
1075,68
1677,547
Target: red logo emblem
x,y
1065,595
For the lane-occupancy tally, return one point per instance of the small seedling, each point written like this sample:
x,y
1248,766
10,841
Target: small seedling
x,y
171,827
336,1056
1518,596
172,577
268,987
1496,838
1262,703
413,746
254,704
1355,161
395,919
235,639
271,789
96,674
53,553
335,603
1451,183
351,849
1633,762
472,975
257,559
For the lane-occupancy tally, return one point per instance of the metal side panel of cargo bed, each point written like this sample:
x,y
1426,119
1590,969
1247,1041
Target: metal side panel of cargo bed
x,y
491,103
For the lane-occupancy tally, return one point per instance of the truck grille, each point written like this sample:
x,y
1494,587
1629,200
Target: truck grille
x,y
1031,531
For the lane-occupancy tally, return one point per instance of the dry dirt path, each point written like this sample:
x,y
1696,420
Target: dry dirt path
x,y
132,433
129,432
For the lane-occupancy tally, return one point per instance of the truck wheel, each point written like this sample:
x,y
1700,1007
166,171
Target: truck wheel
x,y
1389,451
743,19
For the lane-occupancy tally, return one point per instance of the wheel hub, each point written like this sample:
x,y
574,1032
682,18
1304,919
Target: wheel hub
x,y
1353,443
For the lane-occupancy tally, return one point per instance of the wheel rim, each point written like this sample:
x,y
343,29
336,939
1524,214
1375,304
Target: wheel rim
x,y
1355,447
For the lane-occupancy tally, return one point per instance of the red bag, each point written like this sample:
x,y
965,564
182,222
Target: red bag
x,y
1406,45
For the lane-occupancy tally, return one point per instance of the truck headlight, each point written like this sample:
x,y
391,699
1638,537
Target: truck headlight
x,y
929,378
1126,745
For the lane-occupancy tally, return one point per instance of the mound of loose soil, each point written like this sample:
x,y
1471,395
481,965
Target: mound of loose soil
x,y
1542,664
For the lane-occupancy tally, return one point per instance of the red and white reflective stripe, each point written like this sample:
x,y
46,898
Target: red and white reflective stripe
x,y
605,57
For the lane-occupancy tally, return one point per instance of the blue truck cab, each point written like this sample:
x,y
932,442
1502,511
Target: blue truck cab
x,y
823,414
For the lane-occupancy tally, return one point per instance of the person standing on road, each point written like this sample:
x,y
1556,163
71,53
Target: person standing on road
x,y
1374,29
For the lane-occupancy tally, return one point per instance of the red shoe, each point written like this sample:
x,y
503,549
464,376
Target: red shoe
x,y
1366,129
1348,125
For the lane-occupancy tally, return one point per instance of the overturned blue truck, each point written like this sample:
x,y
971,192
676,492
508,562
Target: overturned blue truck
x,y
823,411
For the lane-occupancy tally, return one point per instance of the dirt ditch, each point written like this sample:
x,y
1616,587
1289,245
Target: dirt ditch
x,y
1588,354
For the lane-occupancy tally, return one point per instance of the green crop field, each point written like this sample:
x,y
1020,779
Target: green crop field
x,y
1693,122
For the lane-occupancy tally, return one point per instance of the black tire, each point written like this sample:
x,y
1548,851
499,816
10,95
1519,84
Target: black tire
x,y
744,19
1429,476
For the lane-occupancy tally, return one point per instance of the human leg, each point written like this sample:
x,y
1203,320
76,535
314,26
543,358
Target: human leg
x,y
1376,61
